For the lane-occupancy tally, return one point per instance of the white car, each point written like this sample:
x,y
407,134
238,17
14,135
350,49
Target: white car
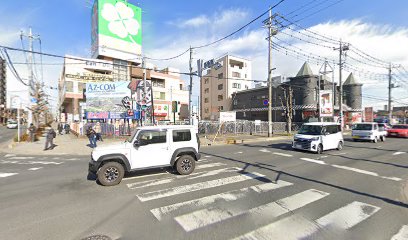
x,y
318,137
11,124
368,131
148,147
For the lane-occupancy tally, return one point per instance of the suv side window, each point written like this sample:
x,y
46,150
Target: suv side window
x,y
152,137
181,135
332,129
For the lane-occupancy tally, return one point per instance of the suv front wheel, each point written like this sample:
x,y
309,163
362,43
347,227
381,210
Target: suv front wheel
x,y
111,173
185,165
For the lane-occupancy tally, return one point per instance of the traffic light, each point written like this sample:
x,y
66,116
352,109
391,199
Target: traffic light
x,y
174,106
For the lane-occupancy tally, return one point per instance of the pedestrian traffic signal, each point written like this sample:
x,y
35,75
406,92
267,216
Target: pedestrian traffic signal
x,y
174,106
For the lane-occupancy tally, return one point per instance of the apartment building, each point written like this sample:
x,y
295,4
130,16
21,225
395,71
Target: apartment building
x,y
218,86
3,90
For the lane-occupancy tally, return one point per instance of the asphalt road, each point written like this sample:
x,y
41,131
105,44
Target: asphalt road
x,y
250,191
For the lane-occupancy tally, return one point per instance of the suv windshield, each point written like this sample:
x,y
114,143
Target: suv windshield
x,y
310,130
363,127
129,139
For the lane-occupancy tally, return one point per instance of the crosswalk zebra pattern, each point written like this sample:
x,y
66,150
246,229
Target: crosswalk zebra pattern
x,y
282,217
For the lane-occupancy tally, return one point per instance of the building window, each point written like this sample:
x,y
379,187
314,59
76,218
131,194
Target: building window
x,y
246,87
220,86
236,85
235,102
236,74
206,110
220,97
206,80
158,83
220,76
81,87
159,95
206,100
245,75
207,90
220,108
69,86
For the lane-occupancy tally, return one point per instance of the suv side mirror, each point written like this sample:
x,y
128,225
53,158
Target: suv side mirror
x,y
136,144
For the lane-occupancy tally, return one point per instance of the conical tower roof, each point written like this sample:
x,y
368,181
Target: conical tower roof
x,y
305,70
351,80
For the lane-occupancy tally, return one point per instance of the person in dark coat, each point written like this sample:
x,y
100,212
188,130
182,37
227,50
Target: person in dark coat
x,y
60,128
90,133
49,139
67,128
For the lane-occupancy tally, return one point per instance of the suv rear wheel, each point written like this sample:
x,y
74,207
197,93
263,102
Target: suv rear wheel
x,y
185,165
110,174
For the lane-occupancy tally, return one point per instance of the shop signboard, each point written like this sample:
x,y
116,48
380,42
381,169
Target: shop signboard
x,y
326,104
116,29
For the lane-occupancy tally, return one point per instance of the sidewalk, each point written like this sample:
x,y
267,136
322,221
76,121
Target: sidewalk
x,y
67,144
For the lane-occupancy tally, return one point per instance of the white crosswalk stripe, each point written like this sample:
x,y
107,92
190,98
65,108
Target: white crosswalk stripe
x,y
29,162
155,182
197,186
210,165
402,234
297,227
3,175
209,216
226,196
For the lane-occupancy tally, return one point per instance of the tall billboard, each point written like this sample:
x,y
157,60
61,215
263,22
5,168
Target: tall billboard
x,y
110,100
116,30
326,104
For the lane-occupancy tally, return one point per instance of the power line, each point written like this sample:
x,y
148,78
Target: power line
x,y
170,58
238,30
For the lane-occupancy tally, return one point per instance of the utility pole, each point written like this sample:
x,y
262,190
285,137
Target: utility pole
x,y
342,48
144,90
190,88
271,32
389,93
31,89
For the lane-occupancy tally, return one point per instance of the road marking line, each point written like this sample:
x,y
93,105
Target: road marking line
x,y
402,234
144,176
264,150
226,196
9,155
238,153
366,172
34,168
313,161
297,227
210,165
398,153
30,162
156,182
282,154
348,216
7,174
197,186
21,158
205,217
207,156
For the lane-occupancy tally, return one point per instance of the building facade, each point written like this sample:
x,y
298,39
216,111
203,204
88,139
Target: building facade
x,y
252,104
220,83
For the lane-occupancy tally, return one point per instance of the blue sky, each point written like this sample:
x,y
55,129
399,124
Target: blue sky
x,y
171,26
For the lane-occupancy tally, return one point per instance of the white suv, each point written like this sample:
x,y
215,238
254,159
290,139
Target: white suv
x,y
148,147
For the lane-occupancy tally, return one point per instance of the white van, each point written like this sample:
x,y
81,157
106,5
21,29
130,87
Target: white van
x,y
368,131
319,136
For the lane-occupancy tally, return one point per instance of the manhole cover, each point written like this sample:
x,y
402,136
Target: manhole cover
x,y
97,237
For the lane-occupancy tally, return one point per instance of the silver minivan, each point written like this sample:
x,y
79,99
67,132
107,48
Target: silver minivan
x,y
318,137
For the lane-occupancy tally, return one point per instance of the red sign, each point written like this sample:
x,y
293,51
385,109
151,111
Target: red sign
x,y
368,114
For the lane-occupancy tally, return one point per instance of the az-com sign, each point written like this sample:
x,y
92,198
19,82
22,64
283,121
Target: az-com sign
x,y
208,64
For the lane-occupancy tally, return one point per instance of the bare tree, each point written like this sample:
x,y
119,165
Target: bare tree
x,y
287,105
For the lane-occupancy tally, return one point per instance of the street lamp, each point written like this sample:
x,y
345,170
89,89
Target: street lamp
x,y
18,117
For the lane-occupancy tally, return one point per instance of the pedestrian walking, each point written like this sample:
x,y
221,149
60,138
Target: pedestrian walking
x,y
60,128
32,129
90,133
98,130
49,139
67,128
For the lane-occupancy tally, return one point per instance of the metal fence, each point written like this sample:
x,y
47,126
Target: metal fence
x,y
244,127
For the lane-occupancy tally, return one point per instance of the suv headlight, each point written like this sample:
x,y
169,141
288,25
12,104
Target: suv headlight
x,y
314,138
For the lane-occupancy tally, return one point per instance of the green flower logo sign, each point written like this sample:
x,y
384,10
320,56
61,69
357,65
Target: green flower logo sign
x,y
121,21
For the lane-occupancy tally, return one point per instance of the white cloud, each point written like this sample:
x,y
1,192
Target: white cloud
x,y
194,22
383,42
